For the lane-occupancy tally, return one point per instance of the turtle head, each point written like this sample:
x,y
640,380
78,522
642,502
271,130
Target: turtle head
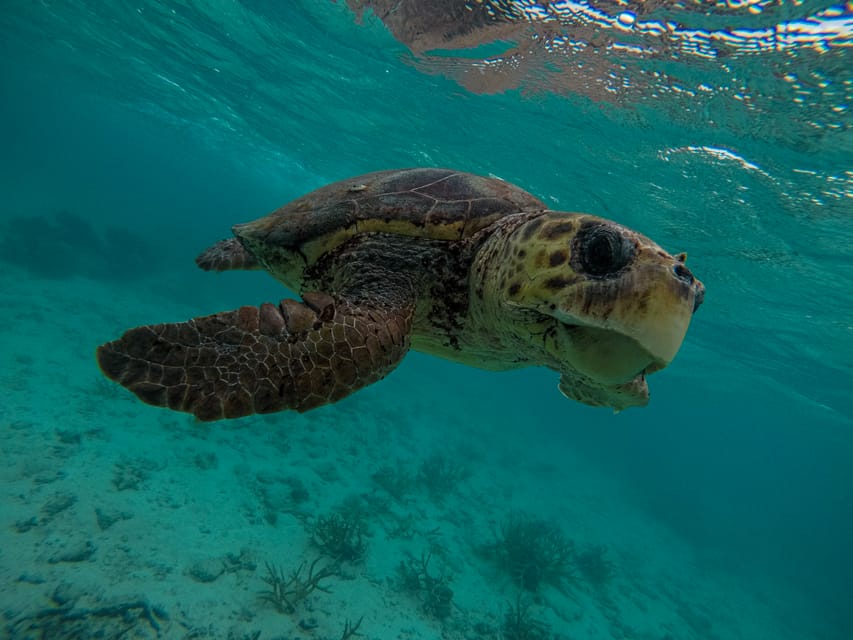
x,y
617,306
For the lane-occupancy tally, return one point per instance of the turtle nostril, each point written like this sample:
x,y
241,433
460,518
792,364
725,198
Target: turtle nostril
x,y
683,273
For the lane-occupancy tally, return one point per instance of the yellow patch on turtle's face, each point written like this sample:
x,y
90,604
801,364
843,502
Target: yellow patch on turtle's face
x,y
622,303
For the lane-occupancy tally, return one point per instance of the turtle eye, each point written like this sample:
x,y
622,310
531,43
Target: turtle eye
x,y
601,250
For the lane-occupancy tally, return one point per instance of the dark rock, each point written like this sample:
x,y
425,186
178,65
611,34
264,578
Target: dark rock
x,y
77,553
66,594
22,526
308,623
106,519
206,570
57,503
206,461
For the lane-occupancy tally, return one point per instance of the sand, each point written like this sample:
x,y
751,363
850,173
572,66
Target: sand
x,y
123,520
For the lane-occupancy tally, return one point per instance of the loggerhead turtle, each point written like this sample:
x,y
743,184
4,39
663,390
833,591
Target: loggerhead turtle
x,y
463,267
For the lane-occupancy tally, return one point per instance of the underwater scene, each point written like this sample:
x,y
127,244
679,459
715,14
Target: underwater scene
x,y
562,348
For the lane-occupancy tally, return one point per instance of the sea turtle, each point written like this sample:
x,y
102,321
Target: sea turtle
x,y
463,267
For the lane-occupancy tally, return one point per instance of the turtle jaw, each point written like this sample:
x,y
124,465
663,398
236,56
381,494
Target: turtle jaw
x,y
636,333
604,356
606,368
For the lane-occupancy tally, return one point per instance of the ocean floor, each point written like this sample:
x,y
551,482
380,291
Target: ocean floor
x,y
422,507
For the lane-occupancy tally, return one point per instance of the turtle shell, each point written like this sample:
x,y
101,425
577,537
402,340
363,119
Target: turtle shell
x,y
439,204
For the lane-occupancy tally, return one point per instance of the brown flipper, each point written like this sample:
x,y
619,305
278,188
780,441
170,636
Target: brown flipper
x,y
226,255
634,393
260,360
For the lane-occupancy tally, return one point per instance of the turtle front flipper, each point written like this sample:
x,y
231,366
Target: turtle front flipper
x,y
634,393
260,359
227,255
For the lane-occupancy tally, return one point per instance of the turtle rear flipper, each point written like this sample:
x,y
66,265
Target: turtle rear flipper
x,y
260,359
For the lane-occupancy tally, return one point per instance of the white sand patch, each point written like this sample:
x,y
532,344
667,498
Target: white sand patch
x,y
166,526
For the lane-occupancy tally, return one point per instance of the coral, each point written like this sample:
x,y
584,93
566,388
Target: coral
x,y
287,593
533,551
396,481
355,507
279,494
441,476
136,619
434,592
64,245
519,624
351,630
404,527
298,491
129,474
341,536
592,564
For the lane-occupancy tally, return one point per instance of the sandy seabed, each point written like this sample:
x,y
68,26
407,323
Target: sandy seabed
x,y
120,520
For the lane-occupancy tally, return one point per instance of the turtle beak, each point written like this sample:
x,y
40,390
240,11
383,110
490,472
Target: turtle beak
x,y
698,295
682,272
661,328
641,328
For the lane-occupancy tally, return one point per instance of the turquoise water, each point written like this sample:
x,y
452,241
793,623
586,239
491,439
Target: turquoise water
x,y
135,135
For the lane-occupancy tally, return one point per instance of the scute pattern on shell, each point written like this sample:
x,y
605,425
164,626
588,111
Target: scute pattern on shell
x,y
433,203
